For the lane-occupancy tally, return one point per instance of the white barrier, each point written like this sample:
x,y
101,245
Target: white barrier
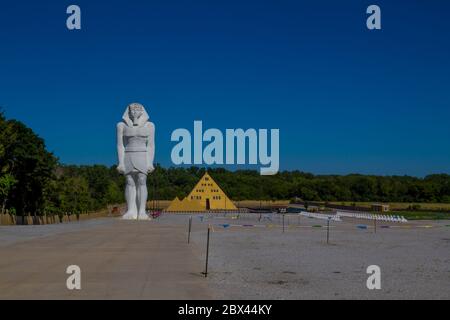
x,y
332,217
371,216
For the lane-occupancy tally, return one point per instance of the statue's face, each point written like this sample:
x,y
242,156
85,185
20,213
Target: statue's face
x,y
135,114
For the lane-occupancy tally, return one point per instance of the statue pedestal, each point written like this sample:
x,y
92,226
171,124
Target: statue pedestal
x,y
131,216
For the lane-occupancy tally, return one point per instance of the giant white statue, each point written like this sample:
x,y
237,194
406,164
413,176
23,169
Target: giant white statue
x,y
136,151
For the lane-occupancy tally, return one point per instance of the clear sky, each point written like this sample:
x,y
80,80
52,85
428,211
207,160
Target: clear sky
x,y
346,99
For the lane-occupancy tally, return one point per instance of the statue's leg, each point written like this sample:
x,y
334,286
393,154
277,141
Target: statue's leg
x,y
130,195
142,194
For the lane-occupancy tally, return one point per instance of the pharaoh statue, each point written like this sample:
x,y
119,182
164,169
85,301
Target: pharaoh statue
x,y
136,151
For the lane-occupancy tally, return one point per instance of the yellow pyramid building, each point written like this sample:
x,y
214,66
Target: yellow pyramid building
x,y
206,196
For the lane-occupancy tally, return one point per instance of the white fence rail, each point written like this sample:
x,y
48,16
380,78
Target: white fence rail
x,y
332,217
371,216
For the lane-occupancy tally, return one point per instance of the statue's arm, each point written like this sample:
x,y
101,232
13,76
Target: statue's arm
x,y
120,147
151,144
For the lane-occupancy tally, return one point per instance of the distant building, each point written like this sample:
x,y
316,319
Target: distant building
x,y
206,196
379,207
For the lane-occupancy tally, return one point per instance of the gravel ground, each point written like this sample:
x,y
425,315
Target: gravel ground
x,y
262,262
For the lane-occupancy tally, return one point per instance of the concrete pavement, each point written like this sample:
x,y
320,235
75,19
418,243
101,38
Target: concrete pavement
x,y
118,260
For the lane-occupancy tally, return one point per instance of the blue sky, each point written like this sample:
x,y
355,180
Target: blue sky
x,y
346,99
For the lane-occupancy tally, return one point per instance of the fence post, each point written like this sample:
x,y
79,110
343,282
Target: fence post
x,y
328,230
207,252
189,229
375,224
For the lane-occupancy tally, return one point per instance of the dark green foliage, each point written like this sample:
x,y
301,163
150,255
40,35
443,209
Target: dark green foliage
x,y
103,185
25,159
32,182
249,185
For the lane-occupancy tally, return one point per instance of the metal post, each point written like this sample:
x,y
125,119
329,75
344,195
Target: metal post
x,y
328,230
283,222
375,224
207,254
189,229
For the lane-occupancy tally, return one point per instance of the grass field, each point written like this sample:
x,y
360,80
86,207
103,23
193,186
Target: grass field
x,y
393,205
423,214
400,205
257,203
426,211
163,204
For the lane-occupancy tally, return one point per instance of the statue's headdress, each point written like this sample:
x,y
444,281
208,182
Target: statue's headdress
x,y
142,119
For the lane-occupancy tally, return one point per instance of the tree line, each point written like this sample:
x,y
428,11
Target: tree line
x,y
33,181
287,185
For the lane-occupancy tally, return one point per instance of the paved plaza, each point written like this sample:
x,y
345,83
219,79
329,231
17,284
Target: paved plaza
x,y
118,260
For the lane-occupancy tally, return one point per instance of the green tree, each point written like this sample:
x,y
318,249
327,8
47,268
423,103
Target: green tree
x,y
31,165
7,181
74,195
